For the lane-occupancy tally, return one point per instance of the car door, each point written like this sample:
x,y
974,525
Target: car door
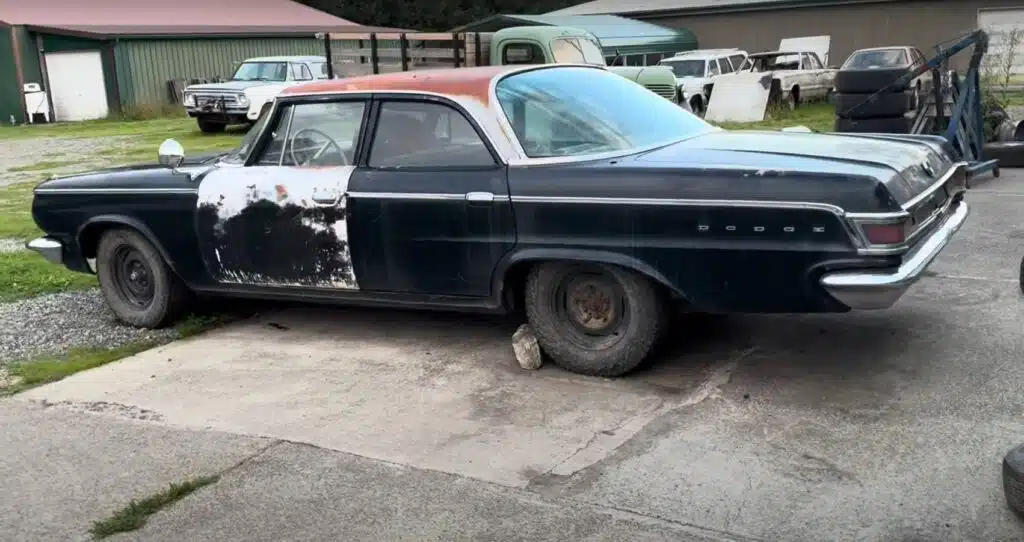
x,y
429,202
813,77
279,219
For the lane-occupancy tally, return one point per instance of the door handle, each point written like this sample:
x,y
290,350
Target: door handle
x,y
480,197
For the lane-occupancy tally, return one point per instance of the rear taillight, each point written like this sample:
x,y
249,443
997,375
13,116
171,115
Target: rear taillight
x,y
886,234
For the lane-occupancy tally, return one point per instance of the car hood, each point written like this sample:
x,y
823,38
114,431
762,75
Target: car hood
x,y
137,176
231,86
893,161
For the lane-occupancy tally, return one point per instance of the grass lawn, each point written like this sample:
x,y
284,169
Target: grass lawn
x,y
26,274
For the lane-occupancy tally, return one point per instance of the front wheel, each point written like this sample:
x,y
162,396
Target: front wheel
x,y
592,319
136,282
211,127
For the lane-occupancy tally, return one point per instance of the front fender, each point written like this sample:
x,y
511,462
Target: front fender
x,y
89,232
517,258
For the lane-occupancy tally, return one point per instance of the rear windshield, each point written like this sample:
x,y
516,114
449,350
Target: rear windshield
x,y
885,58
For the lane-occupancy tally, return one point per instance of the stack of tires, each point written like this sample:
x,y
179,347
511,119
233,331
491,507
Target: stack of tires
x,y
867,101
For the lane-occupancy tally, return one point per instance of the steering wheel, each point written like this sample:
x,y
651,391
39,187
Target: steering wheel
x,y
319,151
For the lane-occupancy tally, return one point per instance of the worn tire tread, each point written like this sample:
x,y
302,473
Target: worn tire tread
x,y
859,81
171,295
1009,153
649,320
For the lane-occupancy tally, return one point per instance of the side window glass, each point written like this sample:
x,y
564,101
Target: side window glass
x,y
271,153
713,67
315,135
421,134
737,61
300,72
522,53
726,66
815,64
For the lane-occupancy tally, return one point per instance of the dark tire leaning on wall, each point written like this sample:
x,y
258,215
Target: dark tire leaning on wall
x,y
594,319
210,127
136,282
889,125
1009,153
861,81
886,104
1013,480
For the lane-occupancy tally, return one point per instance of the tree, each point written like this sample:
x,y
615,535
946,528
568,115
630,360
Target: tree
x,y
435,16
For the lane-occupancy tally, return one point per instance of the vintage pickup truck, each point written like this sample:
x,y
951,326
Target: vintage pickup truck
x,y
565,190
362,54
249,92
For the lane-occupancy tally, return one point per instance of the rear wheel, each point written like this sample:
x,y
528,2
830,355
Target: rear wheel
x,y
697,106
136,282
593,319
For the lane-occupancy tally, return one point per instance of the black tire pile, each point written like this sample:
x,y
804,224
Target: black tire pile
x,y
866,101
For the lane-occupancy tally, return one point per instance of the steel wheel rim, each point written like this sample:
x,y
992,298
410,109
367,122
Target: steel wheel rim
x,y
133,277
592,308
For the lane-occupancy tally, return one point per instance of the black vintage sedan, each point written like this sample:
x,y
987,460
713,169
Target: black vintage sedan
x,y
590,202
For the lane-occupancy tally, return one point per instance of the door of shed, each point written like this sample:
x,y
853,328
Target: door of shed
x,y
77,85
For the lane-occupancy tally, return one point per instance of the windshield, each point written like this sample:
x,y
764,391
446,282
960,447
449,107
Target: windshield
x,y
685,68
574,111
768,63
261,71
886,58
576,51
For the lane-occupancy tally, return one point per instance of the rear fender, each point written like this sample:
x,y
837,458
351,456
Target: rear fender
x,y
510,268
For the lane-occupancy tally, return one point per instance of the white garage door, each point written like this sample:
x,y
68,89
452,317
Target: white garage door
x,y
1005,28
77,85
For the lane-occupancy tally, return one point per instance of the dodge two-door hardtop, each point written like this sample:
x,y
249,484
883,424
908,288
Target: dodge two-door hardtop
x,y
588,201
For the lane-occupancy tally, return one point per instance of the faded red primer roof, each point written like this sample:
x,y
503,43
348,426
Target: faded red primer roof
x,y
149,13
473,82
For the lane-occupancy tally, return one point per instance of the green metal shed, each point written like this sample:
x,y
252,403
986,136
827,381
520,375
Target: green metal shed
x,y
637,42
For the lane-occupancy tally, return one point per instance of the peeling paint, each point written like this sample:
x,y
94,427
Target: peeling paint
x,y
276,226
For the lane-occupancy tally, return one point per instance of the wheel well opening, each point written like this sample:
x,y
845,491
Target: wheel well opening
x,y
514,284
89,237
696,101
795,91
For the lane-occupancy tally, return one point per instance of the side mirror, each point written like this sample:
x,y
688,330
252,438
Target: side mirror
x,y
171,154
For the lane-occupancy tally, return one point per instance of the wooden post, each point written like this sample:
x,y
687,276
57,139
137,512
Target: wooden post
x,y
374,61
455,48
403,50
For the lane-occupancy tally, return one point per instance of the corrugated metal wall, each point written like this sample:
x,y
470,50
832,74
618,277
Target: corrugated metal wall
x,y
145,66
10,94
920,23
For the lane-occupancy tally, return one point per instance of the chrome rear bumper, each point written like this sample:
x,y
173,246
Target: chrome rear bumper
x,y
867,290
49,248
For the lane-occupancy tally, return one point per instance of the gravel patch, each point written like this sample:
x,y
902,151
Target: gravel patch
x,y
84,152
11,245
52,324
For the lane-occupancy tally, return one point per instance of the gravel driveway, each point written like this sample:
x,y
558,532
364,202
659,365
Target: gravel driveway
x,y
56,323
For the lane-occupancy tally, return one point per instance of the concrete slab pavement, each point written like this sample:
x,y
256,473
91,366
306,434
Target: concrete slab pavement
x,y
871,426
298,493
60,471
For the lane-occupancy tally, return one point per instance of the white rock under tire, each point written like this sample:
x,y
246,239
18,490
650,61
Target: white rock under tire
x,y
595,319
154,297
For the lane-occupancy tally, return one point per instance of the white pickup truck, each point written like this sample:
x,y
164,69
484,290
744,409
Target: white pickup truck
x,y
255,83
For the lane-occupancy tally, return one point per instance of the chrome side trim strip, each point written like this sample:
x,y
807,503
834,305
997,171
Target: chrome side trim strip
x,y
417,196
686,203
115,190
